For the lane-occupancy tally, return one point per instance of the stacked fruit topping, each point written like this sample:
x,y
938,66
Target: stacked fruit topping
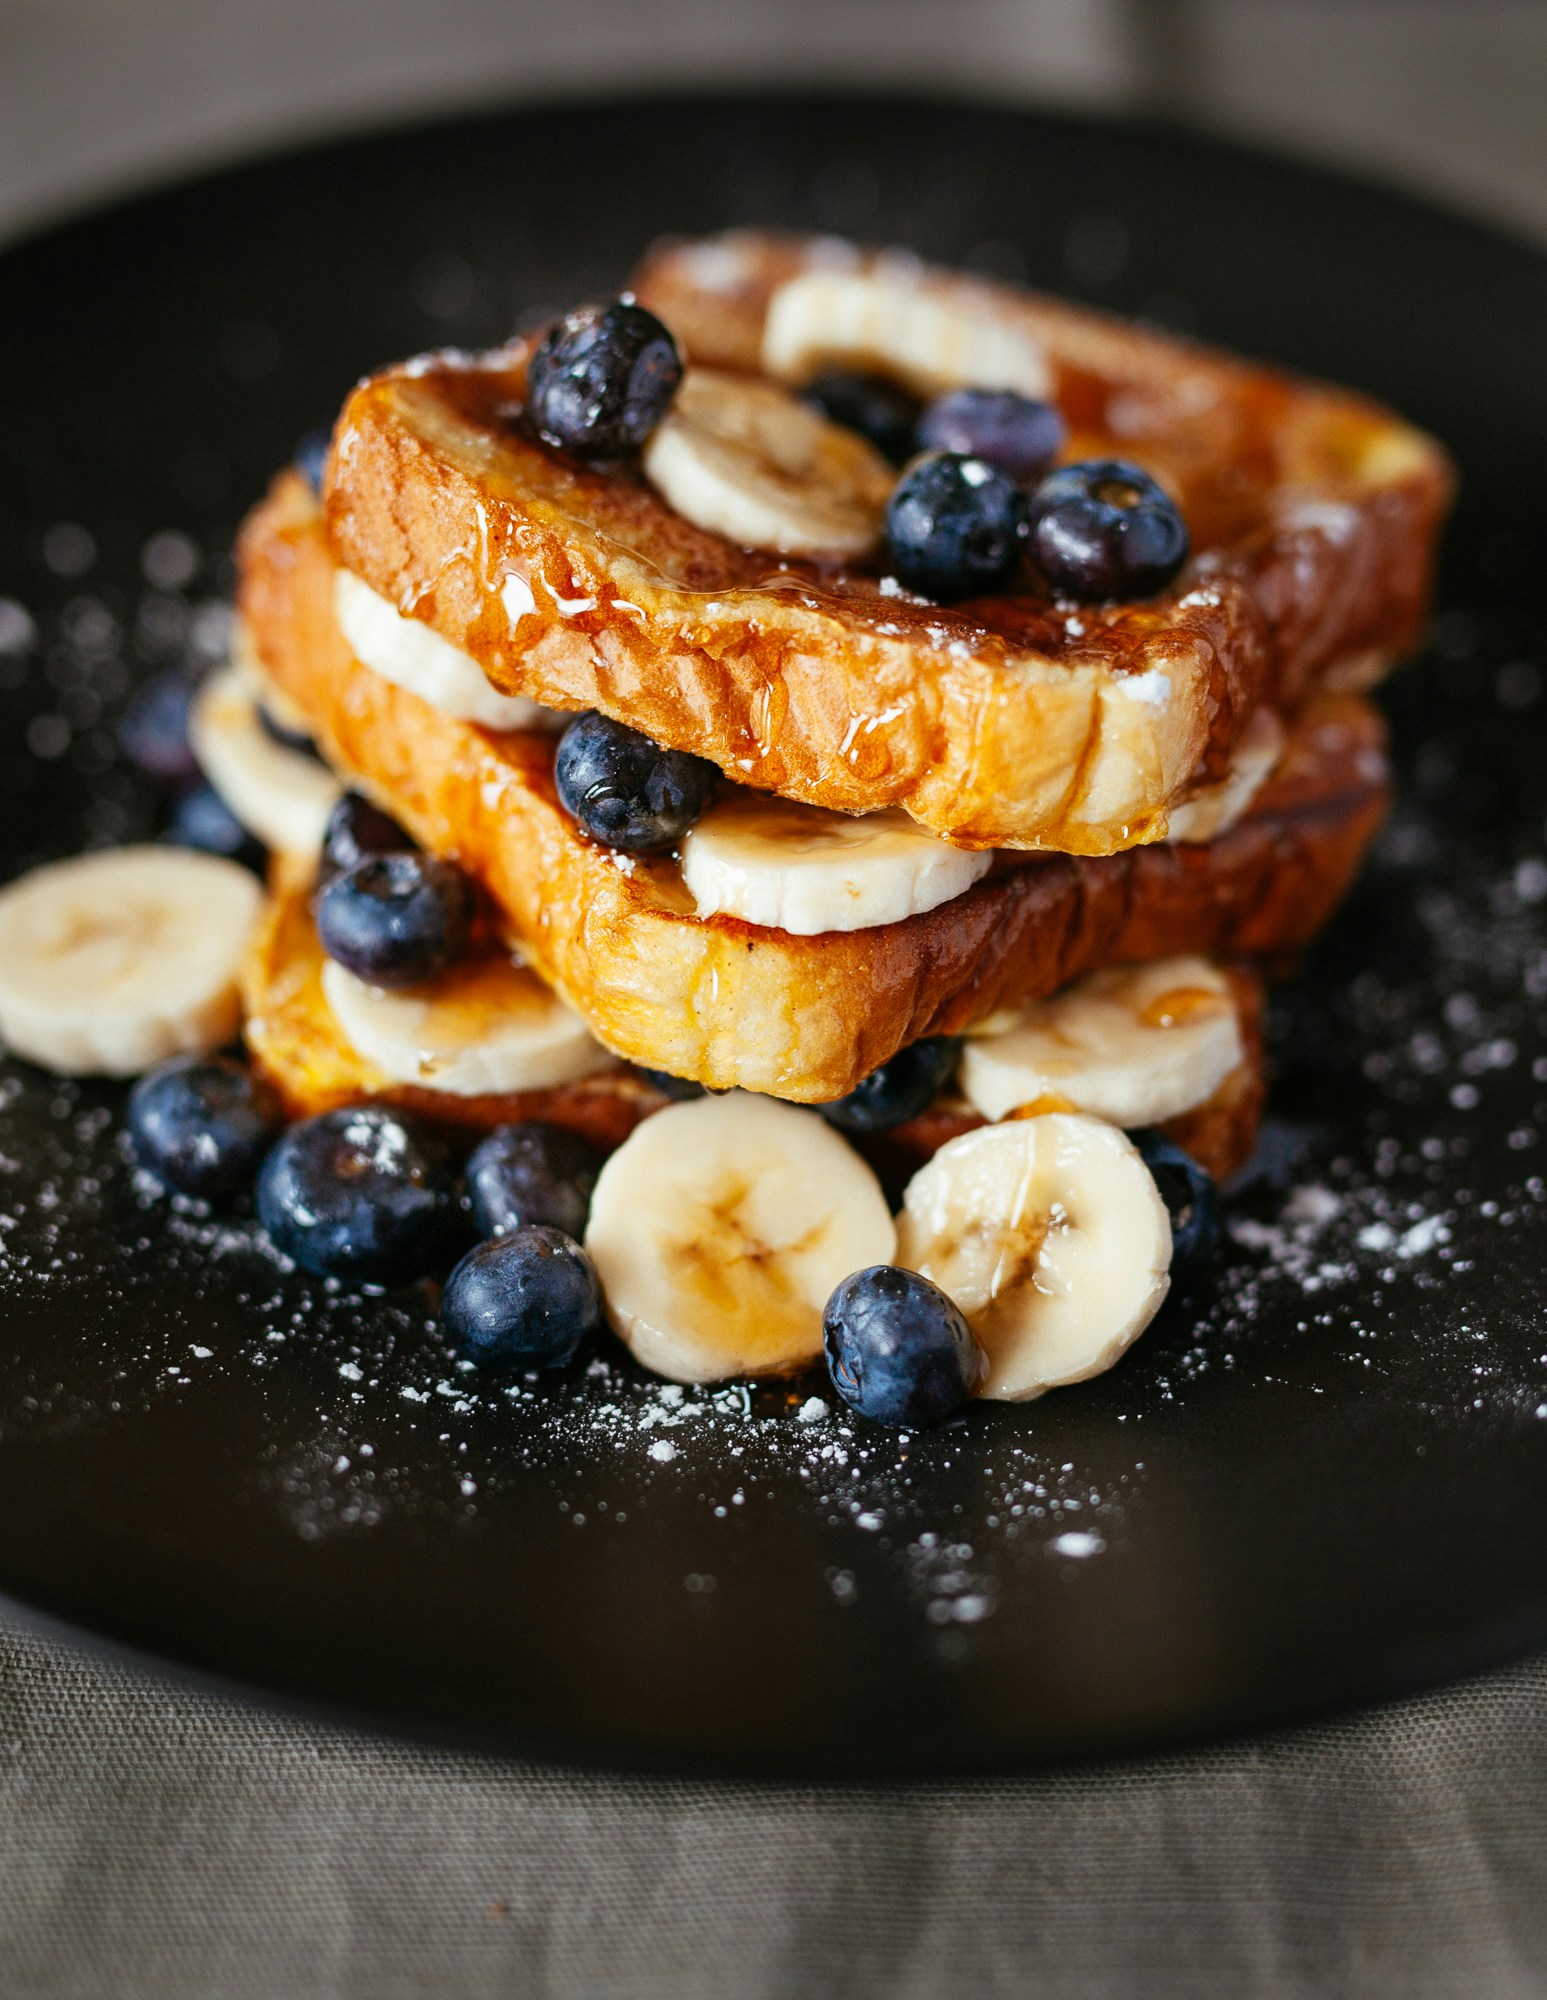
x,y
813,474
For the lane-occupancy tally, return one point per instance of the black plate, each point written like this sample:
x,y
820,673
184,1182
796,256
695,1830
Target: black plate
x,y
1328,1485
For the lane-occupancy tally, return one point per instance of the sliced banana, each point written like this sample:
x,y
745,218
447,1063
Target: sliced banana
x,y
1132,1043
1051,1236
281,795
719,1229
747,460
114,961
411,655
486,1027
800,868
888,322
1257,751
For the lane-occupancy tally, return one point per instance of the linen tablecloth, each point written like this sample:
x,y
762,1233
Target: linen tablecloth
x,y
162,1842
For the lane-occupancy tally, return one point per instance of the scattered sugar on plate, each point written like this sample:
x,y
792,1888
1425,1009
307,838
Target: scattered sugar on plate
x,y
1340,1242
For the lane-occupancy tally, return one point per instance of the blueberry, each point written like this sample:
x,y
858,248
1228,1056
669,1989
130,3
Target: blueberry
x,y
395,919
602,379
899,1089
626,791
154,729
201,818
955,525
525,1300
1191,1200
278,732
201,1125
1020,436
1103,529
898,1349
356,830
677,1088
523,1175
880,410
361,1193
311,458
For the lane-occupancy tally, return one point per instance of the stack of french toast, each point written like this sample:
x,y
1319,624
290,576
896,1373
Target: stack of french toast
x,y
885,726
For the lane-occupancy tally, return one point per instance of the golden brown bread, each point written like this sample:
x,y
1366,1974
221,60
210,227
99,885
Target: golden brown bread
x,y
1014,723
803,1018
296,1044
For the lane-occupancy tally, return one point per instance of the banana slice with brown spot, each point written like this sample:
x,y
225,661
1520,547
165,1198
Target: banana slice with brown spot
x,y
747,460
1050,1234
719,1229
1135,1044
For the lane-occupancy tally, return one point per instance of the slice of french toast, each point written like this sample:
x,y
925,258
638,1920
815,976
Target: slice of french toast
x,y
297,1044
1020,721
800,1017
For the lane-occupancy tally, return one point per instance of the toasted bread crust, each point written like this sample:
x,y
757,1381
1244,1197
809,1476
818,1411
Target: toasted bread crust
x,y
803,1018
297,1046
1011,723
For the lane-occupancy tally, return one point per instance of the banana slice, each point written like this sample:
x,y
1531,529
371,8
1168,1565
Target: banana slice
x,y
1215,811
804,869
719,1229
887,322
411,655
1133,1043
484,1028
1051,1236
281,795
114,961
749,461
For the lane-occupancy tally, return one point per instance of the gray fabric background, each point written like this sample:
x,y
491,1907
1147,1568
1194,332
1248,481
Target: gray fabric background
x,y
161,1843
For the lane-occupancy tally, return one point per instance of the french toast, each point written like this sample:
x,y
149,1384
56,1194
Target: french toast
x,y
1020,721
297,1045
799,1017
887,693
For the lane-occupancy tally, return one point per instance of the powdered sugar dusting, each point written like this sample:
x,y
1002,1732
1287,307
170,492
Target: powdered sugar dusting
x,y
1368,1254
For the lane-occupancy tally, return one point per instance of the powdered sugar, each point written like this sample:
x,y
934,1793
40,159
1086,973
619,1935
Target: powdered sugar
x,y
1369,1254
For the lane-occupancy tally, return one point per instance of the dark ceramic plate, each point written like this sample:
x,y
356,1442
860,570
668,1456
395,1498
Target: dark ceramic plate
x,y
1327,1484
